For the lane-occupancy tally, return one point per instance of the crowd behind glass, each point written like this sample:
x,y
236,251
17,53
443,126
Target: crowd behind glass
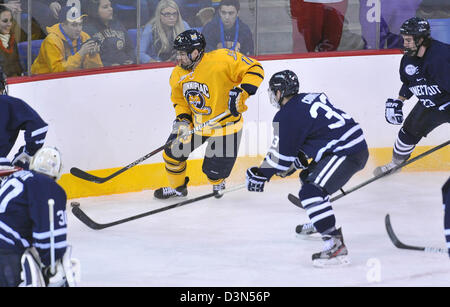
x,y
46,36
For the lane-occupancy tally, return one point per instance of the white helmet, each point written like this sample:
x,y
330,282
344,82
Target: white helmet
x,y
47,160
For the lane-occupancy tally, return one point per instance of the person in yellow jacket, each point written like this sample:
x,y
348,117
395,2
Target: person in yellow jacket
x,y
67,47
205,85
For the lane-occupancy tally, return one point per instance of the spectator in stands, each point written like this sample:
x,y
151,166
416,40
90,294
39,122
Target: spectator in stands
x,y
227,30
67,47
385,16
116,47
9,55
318,24
20,28
190,11
158,35
434,9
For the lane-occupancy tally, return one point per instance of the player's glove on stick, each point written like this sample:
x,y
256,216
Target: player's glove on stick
x,y
300,162
22,158
394,113
255,180
236,101
180,129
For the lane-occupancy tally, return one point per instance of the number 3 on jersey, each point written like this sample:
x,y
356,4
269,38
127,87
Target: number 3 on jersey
x,y
321,103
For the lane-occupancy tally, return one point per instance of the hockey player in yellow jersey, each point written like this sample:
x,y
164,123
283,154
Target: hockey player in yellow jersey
x,y
204,85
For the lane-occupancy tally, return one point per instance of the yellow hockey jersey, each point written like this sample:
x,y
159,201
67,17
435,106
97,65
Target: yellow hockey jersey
x,y
203,92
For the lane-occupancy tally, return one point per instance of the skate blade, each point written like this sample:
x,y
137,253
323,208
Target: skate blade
x,y
312,237
340,261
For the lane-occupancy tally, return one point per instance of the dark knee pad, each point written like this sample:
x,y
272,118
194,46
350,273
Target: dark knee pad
x,y
310,193
218,167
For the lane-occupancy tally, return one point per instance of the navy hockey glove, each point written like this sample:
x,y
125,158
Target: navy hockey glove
x,y
236,101
394,113
22,158
255,180
300,162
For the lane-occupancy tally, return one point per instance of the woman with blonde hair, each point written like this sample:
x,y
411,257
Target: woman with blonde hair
x,y
158,35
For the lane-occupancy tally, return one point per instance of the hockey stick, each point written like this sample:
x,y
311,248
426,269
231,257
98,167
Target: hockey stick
x,y
296,201
9,171
92,178
401,245
76,210
51,205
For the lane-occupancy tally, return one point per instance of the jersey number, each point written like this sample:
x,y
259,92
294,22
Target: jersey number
x,y
17,188
322,104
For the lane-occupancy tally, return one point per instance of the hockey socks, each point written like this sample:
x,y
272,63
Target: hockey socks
x,y
319,210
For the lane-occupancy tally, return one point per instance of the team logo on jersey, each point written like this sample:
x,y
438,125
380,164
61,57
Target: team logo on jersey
x,y
411,69
195,94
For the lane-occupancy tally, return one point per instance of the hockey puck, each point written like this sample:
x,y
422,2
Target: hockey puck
x,y
75,204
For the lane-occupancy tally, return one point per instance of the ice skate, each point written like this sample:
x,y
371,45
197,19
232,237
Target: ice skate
x,y
307,231
334,254
387,167
217,188
168,192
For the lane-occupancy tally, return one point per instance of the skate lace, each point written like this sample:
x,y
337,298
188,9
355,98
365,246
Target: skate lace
x,y
328,245
308,226
219,187
168,191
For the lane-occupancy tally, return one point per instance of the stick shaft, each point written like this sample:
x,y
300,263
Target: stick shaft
x,y
51,210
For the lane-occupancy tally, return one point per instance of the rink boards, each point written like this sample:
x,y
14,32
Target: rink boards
x,y
102,122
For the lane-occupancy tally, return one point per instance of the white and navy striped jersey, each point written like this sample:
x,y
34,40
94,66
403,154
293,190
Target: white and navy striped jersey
x,y
308,122
24,214
16,115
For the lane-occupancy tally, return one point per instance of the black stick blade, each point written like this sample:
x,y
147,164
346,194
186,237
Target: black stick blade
x,y
295,200
86,176
79,214
397,243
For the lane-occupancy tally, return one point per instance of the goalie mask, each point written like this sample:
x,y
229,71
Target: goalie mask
x,y
189,41
47,161
286,82
418,28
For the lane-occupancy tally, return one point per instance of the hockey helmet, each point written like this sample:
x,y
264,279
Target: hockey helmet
x,y
286,82
189,41
47,161
418,28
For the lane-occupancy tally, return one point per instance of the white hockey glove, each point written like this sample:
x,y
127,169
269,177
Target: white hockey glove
x,y
67,271
22,158
300,162
394,113
31,273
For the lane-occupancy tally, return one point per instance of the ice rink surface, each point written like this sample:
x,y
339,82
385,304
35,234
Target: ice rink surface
x,y
248,239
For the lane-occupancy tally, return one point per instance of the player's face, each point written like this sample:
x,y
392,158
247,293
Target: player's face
x,y
183,60
105,10
410,45
169,16
5,22
274,98
228,14
73,29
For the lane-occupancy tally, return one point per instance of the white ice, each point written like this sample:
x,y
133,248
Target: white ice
x,y
248,240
